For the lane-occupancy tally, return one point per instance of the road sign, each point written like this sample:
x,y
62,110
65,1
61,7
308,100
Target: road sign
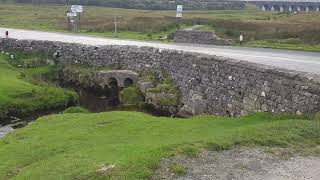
x,y
179,14
179,8
72,14
76,8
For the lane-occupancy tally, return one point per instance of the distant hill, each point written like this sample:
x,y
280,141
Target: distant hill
x,y
146,4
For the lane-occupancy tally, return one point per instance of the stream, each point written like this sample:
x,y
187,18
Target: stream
x,y
92,100
5,130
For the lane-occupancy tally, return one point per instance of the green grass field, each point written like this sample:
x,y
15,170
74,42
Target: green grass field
x,y
18,96
75,146
257,26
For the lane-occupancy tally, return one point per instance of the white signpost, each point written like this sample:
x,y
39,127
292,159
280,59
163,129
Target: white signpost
x,y
74,17
179,8
76,8
71,14
179,14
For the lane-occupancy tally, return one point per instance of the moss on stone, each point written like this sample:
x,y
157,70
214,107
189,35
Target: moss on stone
x,y
168,101
148,76
170,93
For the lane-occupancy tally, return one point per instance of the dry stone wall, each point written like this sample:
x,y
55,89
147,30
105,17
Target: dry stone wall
x,y
200,37
209,84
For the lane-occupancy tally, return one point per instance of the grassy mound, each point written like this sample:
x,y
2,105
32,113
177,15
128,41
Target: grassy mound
x,y
18,96
129,145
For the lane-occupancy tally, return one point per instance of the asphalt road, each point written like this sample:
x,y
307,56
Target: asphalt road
x,y
292,60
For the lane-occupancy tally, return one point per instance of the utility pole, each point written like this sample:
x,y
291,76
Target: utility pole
x,y
79,21
116,22
115,26
33,7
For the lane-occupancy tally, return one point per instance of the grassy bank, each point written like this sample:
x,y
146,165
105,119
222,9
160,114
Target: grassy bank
x,y
129,145
290,44
19,95
257,26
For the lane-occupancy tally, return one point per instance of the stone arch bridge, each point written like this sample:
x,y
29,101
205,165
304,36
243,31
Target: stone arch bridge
x,y
208,84
119,78
287,5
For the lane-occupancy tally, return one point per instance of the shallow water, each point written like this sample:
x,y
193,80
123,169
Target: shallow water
x,y
97,102
93,101
5,130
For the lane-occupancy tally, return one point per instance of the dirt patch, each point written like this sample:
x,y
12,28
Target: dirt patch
x,y
241,164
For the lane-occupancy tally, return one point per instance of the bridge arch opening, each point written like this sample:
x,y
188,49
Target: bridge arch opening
x,y
112,82
128,82
276,8
113,91
311,8
113,86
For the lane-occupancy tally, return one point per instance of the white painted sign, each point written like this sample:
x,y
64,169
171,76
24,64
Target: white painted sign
x,y
72,14
76,8
179,15
179,8
179,11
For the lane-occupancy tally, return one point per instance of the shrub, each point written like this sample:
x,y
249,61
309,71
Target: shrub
x,y
148,76
75,110
131,95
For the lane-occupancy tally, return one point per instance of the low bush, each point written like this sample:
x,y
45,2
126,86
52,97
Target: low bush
x,y
131,95
76,109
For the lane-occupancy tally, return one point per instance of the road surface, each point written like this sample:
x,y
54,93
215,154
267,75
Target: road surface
x,y
292,60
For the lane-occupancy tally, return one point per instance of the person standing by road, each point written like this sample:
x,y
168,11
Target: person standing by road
x,y
7,34
241,38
